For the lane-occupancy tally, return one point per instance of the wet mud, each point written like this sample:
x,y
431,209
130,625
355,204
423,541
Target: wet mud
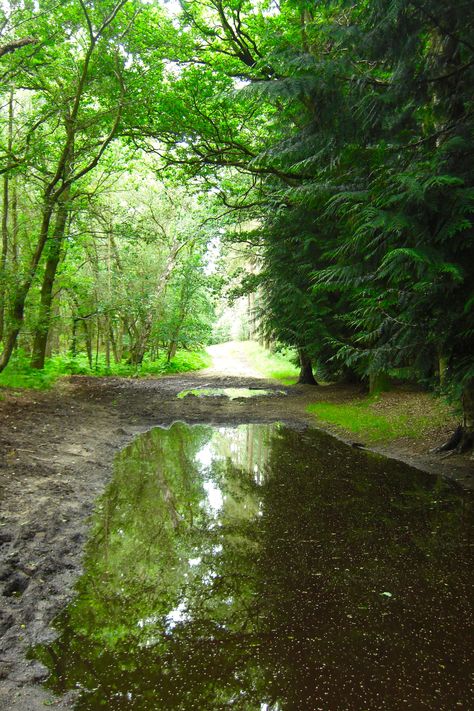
x,y
57,457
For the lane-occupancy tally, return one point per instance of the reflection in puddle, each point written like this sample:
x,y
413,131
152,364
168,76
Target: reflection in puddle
x,y
231,393
260,568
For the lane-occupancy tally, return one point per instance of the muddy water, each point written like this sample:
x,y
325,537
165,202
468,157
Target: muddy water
x,y
231,393
264,568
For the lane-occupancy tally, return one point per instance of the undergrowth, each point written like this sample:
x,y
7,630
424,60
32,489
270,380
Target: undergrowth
x,y
19,374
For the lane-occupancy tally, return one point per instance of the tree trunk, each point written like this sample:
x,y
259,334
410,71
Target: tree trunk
x,y
462,438
442,368
172,348
107,342
73,347
306,376
14,214
88,336
52,261
6,199
185,297
18,307
53,344
97,344
379,383
113,343
117,341
467,441
349,376
3,258
138,351
56,184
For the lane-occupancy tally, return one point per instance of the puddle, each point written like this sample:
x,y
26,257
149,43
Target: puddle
x,y
231,393
262,568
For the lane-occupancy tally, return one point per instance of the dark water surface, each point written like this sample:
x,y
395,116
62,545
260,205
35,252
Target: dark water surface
x,y
260,567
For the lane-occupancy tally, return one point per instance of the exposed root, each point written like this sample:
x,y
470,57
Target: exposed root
x,y
461,441
448,454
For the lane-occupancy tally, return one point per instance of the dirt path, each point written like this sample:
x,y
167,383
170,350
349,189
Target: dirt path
x,y
57,451
230,359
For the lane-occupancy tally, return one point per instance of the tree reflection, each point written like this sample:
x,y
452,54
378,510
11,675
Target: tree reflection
x,y
263,568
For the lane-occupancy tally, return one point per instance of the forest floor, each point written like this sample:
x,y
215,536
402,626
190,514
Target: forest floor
x,y
57,451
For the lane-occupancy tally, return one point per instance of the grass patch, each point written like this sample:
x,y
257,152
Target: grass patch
x,y
18,373
273,365
366,420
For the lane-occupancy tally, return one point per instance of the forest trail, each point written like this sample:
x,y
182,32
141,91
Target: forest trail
x,y
231,359
58,455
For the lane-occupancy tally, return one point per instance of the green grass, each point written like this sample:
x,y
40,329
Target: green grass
x,y
372,426
18,373
273,365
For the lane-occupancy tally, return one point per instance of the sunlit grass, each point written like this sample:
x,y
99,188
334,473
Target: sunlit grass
x,y
363,419
272,365
19,374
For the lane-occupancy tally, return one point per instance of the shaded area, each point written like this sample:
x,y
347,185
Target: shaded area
x,y
262,568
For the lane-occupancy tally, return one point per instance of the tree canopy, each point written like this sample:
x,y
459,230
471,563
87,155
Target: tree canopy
x,y
134,133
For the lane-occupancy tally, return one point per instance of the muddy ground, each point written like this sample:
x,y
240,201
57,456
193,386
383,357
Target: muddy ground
x,y
57,451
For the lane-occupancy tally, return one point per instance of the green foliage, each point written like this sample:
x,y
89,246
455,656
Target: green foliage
x,y
19,373
279,364
365,212
183,361
372,426
332,141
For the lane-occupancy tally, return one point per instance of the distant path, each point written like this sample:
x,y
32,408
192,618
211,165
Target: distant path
x,y
231,359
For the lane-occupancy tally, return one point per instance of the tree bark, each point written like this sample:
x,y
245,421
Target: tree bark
x,y
3,257
467,441
14,215
57,183
306,376
73,346
54,255
18,307
5,211
138,351
16,44
462,438
172,348
184,299
88,336
442,368
113,343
